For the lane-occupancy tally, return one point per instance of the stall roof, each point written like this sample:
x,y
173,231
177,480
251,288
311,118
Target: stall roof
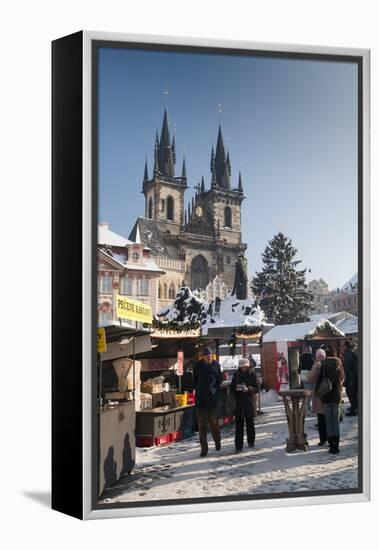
x,y
168,347
297,331
114,332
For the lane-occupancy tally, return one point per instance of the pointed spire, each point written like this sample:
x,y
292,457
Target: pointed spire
x,y
189,212
228,164
173,150
221,163
146,174
212,158
184,171
156,162
185,218
240,188
213,170
193,204
166,161
202,185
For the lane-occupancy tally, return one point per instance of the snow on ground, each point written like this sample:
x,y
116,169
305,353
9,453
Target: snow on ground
x,y
176,471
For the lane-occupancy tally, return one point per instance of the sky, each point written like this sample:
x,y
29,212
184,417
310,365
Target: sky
x,y
290,126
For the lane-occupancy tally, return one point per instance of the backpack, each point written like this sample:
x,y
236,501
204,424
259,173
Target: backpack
x,y
324,386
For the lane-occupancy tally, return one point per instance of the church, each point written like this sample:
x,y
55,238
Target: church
x,y
197,244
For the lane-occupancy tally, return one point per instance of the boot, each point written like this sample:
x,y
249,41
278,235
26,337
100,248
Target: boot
x,y
334,450
337,444
330,441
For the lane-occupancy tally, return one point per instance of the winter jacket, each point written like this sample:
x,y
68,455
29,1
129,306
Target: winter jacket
x,y
334,371
350,366
245,401
207,381
306,362
313,377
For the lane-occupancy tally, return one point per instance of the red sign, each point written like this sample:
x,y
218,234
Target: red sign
x,y
180,363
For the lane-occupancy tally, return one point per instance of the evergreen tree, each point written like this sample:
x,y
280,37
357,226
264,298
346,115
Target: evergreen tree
x,y
279,287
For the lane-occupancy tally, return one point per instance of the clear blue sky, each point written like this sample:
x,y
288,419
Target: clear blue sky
x,y
290,126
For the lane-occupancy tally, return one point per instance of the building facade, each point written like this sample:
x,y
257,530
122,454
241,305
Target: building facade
x,y
321,296
346,298
196,243
124,268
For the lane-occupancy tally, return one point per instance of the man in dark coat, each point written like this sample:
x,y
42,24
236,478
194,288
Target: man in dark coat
x,y
244,385
207,381
350,366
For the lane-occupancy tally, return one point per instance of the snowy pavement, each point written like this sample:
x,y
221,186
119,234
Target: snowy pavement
x,y
176,471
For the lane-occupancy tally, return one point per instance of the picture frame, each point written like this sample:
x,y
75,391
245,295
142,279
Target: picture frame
x,y
76,149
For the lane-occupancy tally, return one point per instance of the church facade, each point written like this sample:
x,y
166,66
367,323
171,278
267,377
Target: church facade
x,y
197,243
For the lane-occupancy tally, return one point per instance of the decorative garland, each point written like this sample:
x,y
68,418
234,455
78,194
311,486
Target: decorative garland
x,y
240,332
176,326
325,326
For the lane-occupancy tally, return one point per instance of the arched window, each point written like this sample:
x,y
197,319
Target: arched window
x,y
171,292
126,286
199,272
150,209
159,290
170,208
228,217
165,291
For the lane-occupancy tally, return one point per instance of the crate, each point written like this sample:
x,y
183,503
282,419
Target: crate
x,y
162,439
144,440
188,432
176,436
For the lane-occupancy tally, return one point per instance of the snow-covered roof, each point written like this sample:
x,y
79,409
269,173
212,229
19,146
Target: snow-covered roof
x,y
332,317
296,331
106,236
233,313
351,285
348,326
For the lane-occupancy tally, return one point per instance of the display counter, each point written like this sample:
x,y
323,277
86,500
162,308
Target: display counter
x,y
116,442
163,425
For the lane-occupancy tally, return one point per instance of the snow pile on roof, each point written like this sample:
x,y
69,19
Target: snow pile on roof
x,y
298,331
108,237
332,317
352,285
188,307
232,312
348,325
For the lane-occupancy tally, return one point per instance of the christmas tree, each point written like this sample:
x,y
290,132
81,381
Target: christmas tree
x,y
281,288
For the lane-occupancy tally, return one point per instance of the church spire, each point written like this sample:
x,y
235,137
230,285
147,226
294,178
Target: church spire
x,y
202,185
166,154
173,149
240,188
145,174
213,169
222,163
184,171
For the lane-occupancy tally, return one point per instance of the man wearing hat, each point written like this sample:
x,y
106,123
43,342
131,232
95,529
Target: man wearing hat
x,y
244,385
207,380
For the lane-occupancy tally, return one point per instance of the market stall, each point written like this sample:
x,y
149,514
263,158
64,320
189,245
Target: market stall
x,y
118,397
282,347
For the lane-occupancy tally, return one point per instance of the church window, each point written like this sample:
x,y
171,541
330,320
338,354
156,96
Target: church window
x,y
228,217
150,209
159,290
162,205
199,272
165,291
171,292
228,260
170,208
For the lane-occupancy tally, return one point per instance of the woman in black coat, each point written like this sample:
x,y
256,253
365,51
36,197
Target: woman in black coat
x,y
332,369
244,385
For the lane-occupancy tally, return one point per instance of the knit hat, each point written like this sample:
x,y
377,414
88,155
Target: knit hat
x,y
207,351
320,354
244,361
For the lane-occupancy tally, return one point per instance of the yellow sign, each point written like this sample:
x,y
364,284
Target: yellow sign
x,y
101,340
135,311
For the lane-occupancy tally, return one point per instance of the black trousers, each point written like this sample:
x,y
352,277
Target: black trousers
x,y
321,424
250,429
352,394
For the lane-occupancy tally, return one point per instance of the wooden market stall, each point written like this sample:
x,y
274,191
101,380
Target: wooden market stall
x,y
282,346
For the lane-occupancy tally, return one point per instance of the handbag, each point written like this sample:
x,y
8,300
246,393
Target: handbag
x,y
324,387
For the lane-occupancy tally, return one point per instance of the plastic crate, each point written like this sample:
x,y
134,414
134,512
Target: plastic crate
x,y
176,436
162,439
144,440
